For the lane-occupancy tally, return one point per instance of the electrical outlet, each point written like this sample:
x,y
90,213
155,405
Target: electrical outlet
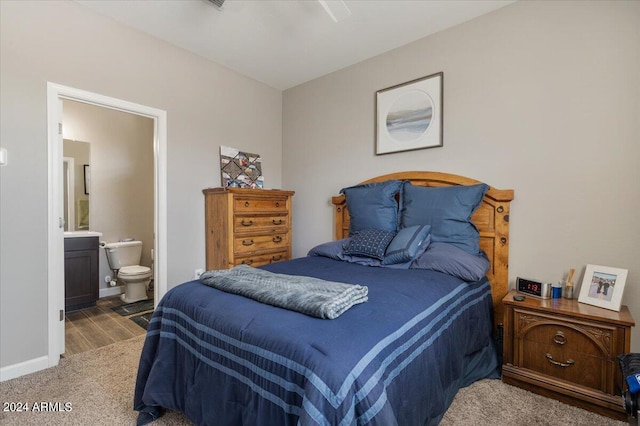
x,y
197,273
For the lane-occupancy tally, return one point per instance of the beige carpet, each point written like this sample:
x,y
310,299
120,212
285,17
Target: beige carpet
x,y
99,386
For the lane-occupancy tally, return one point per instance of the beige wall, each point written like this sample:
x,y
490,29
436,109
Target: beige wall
x,y
541,97
207,106
121,195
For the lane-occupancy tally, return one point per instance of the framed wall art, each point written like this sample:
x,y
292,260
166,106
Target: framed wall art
x,y
603,286
409,115
240,169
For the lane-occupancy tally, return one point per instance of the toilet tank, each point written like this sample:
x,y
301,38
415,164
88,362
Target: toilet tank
x,y
123,253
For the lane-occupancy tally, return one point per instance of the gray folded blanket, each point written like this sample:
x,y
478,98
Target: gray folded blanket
x,y
311,296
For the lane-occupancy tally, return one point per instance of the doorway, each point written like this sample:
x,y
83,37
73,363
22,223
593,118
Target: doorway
x,y
55,96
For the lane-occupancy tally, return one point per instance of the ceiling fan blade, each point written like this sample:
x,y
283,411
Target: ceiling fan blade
x,y
217,3
337,9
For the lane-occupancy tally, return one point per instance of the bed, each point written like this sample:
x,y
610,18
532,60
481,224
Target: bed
x,y
398,359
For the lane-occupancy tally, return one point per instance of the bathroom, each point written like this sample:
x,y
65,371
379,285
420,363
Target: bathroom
x,y
113,168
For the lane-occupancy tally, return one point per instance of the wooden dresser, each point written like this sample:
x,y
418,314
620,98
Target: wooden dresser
x,y
567,350
247,226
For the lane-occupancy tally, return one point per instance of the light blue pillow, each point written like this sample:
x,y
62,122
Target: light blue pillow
x,y
449,259
373,206
447,209
370,243
407,243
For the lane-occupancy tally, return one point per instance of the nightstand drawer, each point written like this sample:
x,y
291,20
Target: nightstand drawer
x,y
565,364
565,348
578,336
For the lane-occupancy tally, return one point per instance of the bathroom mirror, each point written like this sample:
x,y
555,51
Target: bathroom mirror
x,y
76,181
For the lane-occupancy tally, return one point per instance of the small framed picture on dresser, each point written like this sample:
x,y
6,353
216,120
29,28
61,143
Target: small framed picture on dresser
x,y
603,286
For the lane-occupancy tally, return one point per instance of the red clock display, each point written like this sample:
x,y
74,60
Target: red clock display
x,y
534,288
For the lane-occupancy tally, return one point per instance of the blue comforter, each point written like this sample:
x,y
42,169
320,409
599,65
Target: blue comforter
x,y
398,359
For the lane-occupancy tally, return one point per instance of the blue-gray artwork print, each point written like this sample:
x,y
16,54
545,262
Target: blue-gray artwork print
x,y
409,116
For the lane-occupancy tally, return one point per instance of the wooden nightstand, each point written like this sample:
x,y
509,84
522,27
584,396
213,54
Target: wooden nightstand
x,y
566,350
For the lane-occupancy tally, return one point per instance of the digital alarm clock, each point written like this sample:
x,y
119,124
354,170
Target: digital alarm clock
x,y
534,288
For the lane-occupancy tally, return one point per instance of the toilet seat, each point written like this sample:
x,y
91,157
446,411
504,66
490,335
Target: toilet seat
x,y
133,271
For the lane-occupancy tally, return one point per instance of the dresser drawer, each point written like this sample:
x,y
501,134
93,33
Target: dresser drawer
x,y
248,204
262,259
276,223
254,243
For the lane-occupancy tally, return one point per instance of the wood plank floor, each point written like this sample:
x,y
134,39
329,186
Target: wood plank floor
x,y
98,326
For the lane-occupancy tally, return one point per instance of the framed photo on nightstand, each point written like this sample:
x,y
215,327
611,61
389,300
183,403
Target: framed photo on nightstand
x,y
603,286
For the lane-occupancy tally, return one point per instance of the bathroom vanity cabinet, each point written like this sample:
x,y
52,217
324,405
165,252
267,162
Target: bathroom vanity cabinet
x,y
80,273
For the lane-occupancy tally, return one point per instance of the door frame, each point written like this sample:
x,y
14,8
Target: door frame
x,y
55,274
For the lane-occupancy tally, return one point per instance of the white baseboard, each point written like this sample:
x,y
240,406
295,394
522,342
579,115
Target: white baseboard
x,y
111,291
27,367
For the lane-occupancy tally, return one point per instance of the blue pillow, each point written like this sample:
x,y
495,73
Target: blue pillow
x,y
447,209
370,243
331,249
407,243
373,206
449,259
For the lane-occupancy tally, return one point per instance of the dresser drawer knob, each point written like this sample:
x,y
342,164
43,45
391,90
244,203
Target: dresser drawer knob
x,y
559,338
277,222
243,223
247,242
275,258
277,239
247,262
246,204
569,362
277,204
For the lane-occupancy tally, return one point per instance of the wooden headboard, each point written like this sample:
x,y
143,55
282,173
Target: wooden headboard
x,y
491,218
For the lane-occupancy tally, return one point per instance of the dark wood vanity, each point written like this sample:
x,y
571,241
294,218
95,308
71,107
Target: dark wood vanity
x,y
80,273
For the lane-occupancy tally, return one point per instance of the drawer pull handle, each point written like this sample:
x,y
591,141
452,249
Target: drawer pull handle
x,y
277,222
243,223
559,338
277,239
277,204
276,258
247,262
569,362
246,204
247,242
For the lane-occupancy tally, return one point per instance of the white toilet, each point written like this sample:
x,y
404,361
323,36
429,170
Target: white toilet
x,y
124,257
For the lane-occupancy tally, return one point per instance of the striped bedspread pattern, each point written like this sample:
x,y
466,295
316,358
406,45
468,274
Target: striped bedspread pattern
x,y
360,399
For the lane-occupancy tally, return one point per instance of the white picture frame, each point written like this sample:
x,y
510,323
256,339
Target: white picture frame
x,y
409,115
603,286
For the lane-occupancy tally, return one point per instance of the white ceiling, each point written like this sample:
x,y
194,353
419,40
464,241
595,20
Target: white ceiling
x,y
284,43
